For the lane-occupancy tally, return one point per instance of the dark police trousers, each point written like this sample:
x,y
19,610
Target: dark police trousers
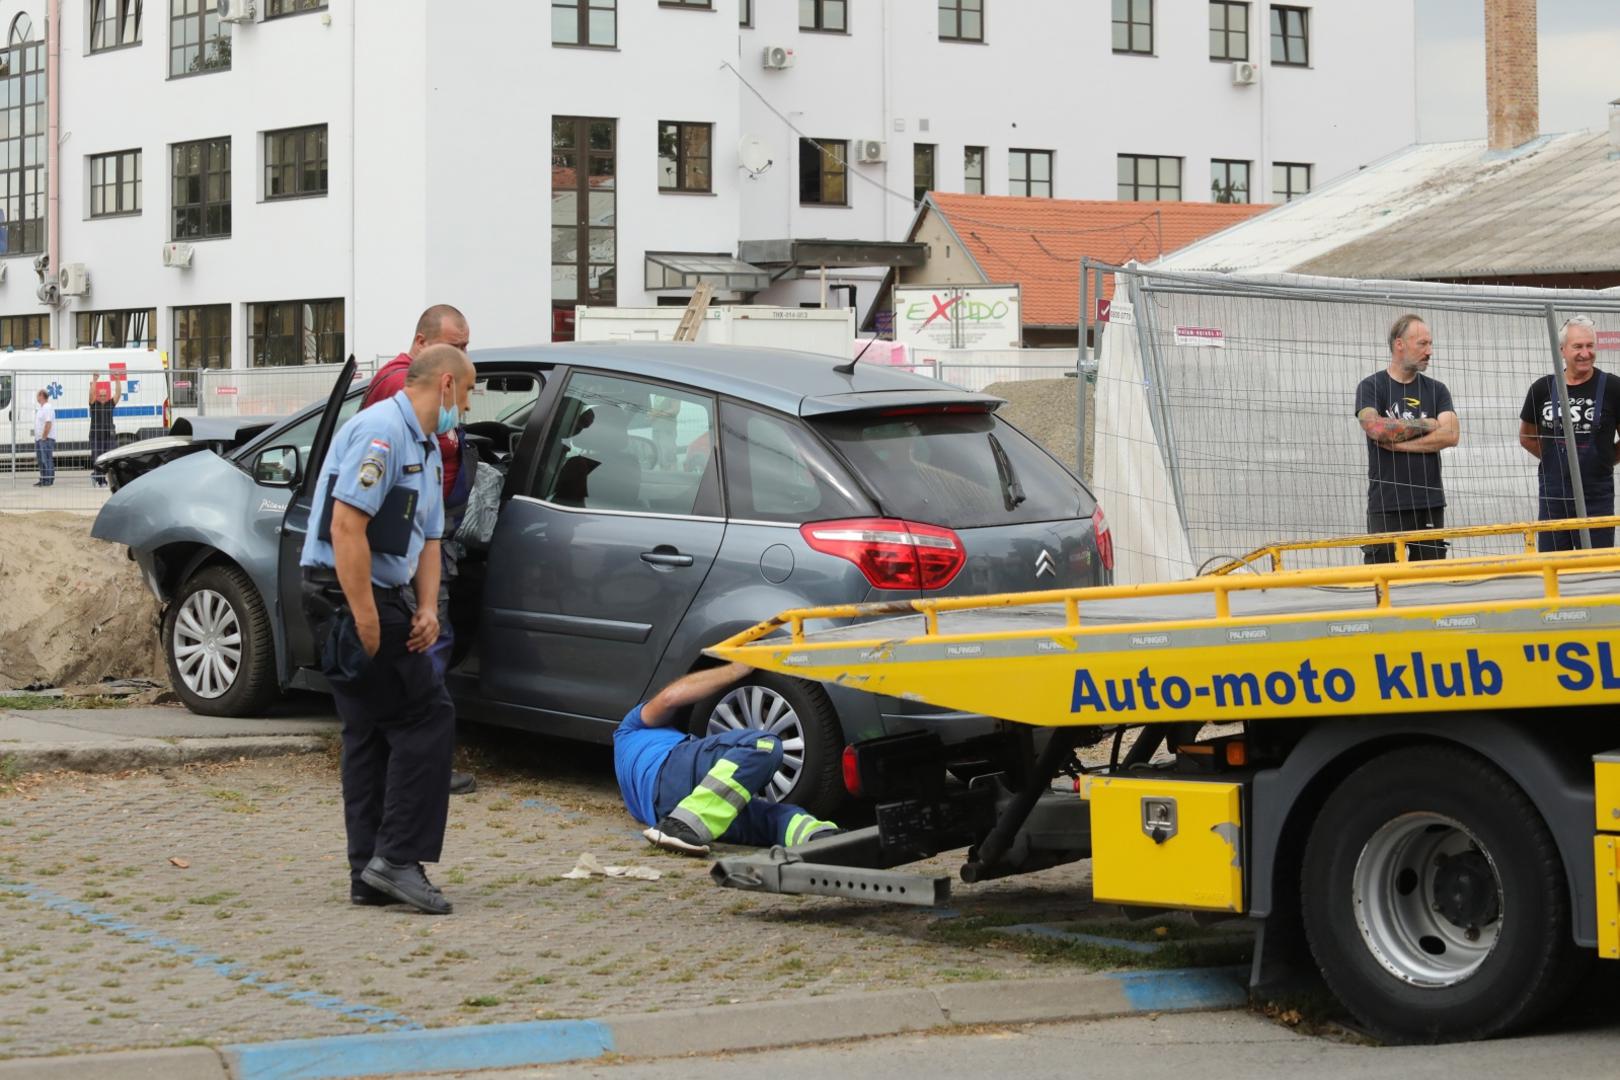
x,y
399,727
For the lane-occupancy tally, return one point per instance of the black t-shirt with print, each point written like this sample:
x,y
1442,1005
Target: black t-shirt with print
x,y
1397,479
101,418
1591,424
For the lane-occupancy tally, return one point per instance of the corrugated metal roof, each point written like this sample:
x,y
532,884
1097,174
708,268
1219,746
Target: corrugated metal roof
x,y
1440,210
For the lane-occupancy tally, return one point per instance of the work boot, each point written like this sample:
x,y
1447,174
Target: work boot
x,y
674,835
406,882
462,783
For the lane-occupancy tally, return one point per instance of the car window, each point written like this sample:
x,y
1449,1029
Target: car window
x,y
958,470
302,433
622,444
502,397
777,471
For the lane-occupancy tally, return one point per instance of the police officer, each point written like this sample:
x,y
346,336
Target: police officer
x,y
371,577
1594,409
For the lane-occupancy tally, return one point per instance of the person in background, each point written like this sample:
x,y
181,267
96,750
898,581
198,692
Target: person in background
x,y
691,791
1594,410
45,439
104,398
1408,419
440,324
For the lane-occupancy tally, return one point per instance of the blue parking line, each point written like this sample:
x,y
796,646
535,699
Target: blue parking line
x,y
235,972
483,1046
1184,988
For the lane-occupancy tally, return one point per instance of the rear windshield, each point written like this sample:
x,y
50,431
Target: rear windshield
x,y
959,470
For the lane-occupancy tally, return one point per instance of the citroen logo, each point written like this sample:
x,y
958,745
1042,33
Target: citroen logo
x,y
1044,564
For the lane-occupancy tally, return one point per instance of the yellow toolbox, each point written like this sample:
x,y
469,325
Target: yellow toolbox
x,y
1606,786
1169,843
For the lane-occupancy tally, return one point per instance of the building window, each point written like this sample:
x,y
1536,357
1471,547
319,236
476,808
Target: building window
x,y
961,20
1229,181
278,8
22,30
1148,179
22,147
197,39
584,217
114,24
288,333
1228,30
115,184
135,329
922,171
25,332
202,339
202,189
973,170
1029,172
1289,180
822,172
1133,27
745,12
593,23
684,153
828,15
700,5
295,162
1290,43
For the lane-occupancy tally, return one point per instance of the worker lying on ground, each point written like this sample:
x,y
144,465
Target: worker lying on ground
x,y
695,791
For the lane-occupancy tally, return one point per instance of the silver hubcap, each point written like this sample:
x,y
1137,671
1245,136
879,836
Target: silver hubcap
x,y
207,644
1428,900
762,709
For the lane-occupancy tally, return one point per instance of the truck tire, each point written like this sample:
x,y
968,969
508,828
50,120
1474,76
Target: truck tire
x,y
216,639
798,713
1434,900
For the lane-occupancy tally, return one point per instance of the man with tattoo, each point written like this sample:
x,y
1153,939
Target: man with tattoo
x,y
1408,419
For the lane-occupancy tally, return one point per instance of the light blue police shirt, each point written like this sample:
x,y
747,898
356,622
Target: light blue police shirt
x,y
379,449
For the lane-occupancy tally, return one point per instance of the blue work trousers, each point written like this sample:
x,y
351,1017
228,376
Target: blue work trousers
x,y
759,823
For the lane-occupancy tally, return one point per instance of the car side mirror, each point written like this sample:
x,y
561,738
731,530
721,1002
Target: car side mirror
x,y
277,466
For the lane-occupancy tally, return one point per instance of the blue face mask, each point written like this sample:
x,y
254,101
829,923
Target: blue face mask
x,y
449,418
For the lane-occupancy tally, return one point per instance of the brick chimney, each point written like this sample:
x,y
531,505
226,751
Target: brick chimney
x,y
1512,96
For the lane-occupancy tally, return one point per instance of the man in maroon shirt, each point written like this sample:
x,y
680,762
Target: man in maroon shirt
x,y
440,324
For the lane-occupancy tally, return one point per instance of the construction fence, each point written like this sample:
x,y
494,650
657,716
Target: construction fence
x,y
1225,409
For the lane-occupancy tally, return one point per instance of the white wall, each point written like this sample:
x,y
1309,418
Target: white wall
x,y
439,114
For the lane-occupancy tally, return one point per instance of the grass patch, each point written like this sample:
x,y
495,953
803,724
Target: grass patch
x,y
1180,944
233,801
35,702
212,899
481,1001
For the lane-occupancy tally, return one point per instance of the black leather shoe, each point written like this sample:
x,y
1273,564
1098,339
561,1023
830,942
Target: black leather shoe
x,y
463,783
363,895
406,882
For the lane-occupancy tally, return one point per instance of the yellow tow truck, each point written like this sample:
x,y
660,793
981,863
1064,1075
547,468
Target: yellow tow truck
x,y
1407,773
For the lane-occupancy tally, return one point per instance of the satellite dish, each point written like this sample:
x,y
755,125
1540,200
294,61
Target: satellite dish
x,y
753,154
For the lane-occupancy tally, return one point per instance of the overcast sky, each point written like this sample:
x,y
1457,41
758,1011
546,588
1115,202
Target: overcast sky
x,y
1580,66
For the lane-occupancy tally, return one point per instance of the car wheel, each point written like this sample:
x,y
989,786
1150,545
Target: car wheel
x,y
216,639
800,715
1435,901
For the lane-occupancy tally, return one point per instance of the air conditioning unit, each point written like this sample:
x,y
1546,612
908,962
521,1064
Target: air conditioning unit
x,y
869,151
178,255
1245,73
49,293
238,11
74,279
777,57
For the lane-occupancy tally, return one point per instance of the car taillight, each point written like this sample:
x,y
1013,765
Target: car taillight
x,y
852,772
1105,539
891,553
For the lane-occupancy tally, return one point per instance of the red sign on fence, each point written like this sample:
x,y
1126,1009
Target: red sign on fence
x,y
1608,339
118,371
225,389
1103,307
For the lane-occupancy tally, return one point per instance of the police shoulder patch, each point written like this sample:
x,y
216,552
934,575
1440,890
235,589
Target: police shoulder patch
x,y
370,472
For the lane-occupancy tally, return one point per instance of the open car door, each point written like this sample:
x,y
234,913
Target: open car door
x,y
300,639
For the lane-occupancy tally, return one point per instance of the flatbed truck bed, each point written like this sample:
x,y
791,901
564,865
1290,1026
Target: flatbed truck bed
x,y
1417,791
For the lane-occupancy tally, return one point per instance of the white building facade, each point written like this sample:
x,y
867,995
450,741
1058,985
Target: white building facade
x,y
327,169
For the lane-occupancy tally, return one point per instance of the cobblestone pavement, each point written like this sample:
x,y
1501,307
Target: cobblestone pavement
x,y
105,942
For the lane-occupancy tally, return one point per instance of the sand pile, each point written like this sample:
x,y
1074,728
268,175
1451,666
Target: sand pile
x,y
72,609
1044,409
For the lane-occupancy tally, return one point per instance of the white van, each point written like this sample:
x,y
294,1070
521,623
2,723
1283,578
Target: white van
x,y
66,375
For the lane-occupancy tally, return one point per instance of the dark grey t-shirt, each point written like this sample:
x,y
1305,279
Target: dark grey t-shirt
x,y
1398,480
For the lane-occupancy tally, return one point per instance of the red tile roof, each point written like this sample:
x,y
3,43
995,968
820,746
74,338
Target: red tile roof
x,y
1038,243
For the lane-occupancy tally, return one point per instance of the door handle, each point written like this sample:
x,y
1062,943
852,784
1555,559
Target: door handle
x,y
665,556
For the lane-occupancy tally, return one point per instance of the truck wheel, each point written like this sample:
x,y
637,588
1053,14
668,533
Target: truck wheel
x,y
1435,901
798,713
216,639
